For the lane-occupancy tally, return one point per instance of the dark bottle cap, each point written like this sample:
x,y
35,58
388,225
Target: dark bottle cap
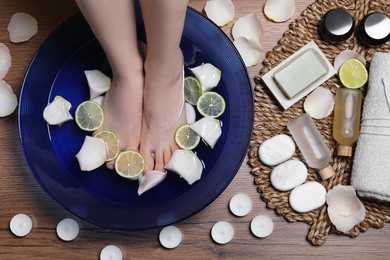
x,y
374,29
337,25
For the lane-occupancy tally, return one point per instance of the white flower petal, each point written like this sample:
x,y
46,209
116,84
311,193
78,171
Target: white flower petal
x,y
98,82
320,103
92,154
279,10
5,60
8,100
150,180
249,50
57,112
186,164
209,129
99,100
346,55
208,75
190,114
248,27
22,27
220,12
345,210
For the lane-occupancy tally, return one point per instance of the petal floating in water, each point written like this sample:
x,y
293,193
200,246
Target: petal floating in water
x,y
98,82
150,180
186,164
209,129
57,112
208,75
92,154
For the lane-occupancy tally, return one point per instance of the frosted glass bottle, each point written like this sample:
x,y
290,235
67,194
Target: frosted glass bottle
x,y
312,145
346,122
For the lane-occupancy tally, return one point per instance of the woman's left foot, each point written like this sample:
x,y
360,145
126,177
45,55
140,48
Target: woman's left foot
x,y
164,112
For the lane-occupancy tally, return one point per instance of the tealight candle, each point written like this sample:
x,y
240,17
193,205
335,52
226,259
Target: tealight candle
x,y
262,226
222,232
170,237
240,205
20,225
111,252
67,229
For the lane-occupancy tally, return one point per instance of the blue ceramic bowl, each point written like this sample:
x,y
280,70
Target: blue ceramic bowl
x,y
101,196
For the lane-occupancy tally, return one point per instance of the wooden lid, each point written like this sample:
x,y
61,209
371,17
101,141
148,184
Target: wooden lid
x,y
327,172
344,150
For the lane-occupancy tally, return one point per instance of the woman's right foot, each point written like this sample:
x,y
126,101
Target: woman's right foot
x,y
122,108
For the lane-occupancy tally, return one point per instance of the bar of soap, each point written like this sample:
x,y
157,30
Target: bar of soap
x,y
300,74
307,197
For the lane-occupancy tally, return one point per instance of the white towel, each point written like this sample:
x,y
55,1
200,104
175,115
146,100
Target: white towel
x,y
371,164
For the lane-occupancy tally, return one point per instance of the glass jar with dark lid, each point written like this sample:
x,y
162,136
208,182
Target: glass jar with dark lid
x,y
374,29
336,25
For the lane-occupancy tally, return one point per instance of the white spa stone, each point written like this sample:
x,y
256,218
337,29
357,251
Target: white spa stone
x,y
288,175
170,237
222,232
276,149
307,197
240,205
111,252
67,229
20,225
262,226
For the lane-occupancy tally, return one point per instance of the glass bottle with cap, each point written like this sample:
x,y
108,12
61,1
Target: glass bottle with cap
x,y
311,144
346,122
336,25
374,29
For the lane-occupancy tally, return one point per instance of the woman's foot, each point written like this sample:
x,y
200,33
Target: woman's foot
x,y
122,108
164,111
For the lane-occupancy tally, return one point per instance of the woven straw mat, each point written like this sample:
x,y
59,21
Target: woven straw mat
x,y
271,120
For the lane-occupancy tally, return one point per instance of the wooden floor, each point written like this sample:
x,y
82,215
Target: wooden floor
x,y
20,193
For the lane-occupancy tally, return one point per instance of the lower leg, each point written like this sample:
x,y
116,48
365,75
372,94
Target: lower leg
x,y
113,23
163,93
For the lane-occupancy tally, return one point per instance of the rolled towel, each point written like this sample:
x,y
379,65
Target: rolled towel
x,y
371,165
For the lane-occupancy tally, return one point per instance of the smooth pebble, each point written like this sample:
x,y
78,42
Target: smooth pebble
x,y
68,229
170,237
276,149
288,175
262,226
111,252
240,205
307,197
222,232
20,225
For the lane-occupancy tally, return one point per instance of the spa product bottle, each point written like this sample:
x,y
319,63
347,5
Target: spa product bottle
x,y
346,122
311,144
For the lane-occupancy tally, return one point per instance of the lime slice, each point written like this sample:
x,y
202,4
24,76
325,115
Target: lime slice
x,y
353,74
211,104
192,90
111,142
130,164
89,115
186,138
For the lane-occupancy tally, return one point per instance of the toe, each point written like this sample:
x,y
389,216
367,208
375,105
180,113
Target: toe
x,y
159,160
149,160
167,155
110,164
